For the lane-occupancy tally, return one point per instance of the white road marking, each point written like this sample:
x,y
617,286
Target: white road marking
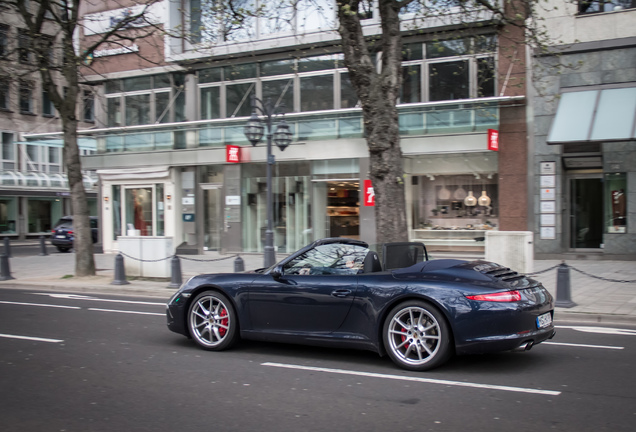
x,y
127,312
583,345
416,379
83,297
601,330
40,304
37,339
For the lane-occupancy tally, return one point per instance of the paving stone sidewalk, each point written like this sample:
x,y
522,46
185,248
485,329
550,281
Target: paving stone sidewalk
x,y
597,296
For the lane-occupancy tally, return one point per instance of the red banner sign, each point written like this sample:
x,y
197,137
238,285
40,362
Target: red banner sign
x,y
493,140
369,195
232,154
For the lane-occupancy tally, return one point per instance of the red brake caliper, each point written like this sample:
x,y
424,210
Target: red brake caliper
x,y
222,330
404,338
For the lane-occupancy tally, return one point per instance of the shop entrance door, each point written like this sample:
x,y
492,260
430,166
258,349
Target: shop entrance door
x,y
213,217
343,208
586,212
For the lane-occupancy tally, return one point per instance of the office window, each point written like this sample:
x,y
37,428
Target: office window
x,y
238,99
145,100
280,92
4,41
5,88
599,6
47,106
316,93
24,47
89,106
8,151
26,97
411,90
449,81
210,103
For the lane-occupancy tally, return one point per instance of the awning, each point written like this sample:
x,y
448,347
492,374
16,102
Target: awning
x,y
602,115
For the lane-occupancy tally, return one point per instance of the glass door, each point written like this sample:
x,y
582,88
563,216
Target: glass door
x,y
213,218
586,212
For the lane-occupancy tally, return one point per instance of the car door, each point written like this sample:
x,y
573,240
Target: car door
x,y
316,301
301,303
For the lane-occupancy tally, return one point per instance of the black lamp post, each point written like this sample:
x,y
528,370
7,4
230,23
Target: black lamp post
x,y
254,131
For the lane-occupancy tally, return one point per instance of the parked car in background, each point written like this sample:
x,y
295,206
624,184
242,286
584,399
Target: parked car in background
x,y
62,235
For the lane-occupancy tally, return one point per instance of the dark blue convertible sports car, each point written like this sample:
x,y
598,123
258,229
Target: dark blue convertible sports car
x,y
337,292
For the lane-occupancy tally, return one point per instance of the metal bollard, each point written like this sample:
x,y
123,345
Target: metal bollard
x,y
7,247
239,265
43,251
120,271
563,295
5,270
175,273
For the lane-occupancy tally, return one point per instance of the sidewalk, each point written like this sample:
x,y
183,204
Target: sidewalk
x,y
598,301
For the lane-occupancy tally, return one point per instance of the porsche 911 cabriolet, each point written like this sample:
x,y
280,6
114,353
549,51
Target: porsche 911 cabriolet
x,y
338,292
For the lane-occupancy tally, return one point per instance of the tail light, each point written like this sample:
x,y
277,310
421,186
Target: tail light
x,y
69,232
506,296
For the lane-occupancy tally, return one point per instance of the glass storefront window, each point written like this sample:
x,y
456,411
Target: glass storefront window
x,y
139,211
116,206
8,215
453,212
291,207
42,214
616,202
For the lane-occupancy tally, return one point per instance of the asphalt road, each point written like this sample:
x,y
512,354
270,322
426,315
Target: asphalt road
x,y
107,363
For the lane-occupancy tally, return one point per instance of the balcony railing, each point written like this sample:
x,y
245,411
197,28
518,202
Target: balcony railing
x,y
419,119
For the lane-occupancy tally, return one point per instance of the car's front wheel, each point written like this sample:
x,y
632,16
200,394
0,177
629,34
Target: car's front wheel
x,y
212,321
417,336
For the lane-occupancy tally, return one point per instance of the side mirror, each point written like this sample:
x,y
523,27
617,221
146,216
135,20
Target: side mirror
x,y
276,273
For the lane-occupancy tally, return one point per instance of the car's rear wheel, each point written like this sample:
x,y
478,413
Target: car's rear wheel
x,y
62,249
212,321
417,336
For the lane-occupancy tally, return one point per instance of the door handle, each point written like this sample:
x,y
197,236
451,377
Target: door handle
x,y
341,293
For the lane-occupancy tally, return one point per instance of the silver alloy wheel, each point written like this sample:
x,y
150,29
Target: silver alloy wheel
x,y
414,336
210,321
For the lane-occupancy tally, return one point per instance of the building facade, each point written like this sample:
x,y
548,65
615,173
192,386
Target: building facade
x,y
584,133
34,190
173,161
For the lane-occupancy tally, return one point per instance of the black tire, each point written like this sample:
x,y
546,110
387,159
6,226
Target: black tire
x,y
416,336
62,249
212,321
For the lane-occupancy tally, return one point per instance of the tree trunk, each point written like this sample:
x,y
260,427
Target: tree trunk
x,y
378,93
83,243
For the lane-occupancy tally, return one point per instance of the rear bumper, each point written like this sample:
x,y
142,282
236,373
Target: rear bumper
x,y
506,342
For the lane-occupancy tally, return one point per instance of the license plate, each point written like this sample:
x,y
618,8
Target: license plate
x,y
60,236
544,320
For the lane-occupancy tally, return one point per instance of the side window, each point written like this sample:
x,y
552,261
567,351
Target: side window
x,y
329,259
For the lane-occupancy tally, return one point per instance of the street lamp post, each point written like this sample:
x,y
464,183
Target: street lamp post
x,y
254,131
